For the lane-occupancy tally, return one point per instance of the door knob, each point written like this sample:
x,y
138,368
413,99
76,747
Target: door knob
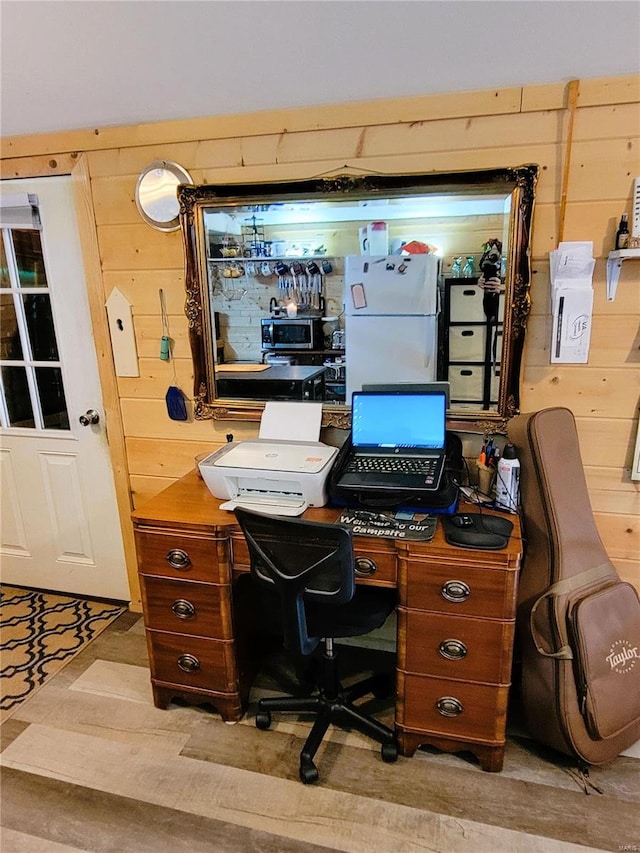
x,y
90,417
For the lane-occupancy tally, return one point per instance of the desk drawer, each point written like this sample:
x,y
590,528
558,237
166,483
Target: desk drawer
x,y
187,608
456,709
193,661
455,647
460,590
376,566
178,556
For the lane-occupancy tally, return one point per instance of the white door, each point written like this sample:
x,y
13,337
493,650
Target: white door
x,y
59,525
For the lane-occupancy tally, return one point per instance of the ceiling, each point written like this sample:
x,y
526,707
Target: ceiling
x,y
70,64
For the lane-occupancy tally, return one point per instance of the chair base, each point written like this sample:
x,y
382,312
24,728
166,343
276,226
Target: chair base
x,y
337,710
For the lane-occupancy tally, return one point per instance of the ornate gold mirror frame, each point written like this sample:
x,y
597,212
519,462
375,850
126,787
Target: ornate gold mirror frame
x,y
193,200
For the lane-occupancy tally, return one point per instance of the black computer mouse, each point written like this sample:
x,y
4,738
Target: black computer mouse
x,y
477,530
462,521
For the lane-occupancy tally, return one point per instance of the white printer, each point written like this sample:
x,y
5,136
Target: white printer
x,y
283,471
277,477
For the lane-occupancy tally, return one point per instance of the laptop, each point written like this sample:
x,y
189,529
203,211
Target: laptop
x,y
397,440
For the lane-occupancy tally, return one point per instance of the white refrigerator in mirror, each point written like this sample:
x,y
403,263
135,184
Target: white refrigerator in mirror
x,y
391,322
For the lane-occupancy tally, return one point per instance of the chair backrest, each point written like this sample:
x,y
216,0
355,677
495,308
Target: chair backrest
x,y
301,561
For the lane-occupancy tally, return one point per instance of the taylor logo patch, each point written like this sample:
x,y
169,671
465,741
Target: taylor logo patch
x,y
622,656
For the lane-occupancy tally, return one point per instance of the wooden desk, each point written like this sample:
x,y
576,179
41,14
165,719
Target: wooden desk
x,y
456,620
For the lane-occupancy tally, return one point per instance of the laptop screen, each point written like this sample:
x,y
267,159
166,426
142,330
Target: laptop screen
x,y
407,421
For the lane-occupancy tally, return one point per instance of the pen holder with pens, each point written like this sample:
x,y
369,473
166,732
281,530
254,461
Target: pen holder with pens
x,y
486,479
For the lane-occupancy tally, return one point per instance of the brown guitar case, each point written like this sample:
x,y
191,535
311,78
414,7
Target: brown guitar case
x,y
578,624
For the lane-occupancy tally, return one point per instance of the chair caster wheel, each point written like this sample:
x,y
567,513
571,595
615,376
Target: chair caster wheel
x,y
308,773
263,720
389,752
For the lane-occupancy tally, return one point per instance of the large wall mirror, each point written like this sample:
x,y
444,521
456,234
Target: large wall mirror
x,y
310,290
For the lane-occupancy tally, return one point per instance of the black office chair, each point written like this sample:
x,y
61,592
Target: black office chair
x,y
308,570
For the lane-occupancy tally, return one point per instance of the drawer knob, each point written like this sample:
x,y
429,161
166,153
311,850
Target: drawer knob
x,y
456,591
188,663
452,649
183,609
178,559
365,566
449,706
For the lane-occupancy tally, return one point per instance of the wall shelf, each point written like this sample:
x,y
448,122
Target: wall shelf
x,y
614,263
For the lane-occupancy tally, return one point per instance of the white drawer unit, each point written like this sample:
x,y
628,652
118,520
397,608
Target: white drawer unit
x,y
465,301
472,346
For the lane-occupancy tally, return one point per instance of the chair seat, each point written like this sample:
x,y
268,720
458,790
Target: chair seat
x,y
367,610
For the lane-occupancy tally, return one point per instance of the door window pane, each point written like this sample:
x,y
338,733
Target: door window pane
x,y
10,344
4,269
52,401
29,260
32,394
37,312
16,391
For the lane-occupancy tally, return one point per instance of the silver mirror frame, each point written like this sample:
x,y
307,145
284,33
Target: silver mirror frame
x,y
156,192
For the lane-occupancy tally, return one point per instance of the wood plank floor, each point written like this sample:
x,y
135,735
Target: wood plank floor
x,y
89,764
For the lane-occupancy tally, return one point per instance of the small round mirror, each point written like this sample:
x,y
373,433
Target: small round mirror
x,y
156,195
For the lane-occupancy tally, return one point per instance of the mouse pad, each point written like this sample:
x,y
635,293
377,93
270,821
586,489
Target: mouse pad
x,y
477,530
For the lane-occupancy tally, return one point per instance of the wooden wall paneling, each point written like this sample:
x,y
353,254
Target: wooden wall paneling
x,y
42,166
114,200
139,247
310,146
141,289
587,220
615,341
612,121
544,230
149,419
594,220
547,96
96,295
145,488
628,571
621,89
148,329
611,491
605,441
624,89
256,150
131,160
594,391
612,90
526,130
156,376
397,163
620,533
626,303
158,458
604,170
383,111
615,481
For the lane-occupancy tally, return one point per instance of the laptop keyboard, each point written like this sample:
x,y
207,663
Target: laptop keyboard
x,y
392,465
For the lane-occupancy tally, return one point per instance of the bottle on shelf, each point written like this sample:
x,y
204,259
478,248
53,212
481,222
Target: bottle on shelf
x,y
468,270
508,480
456,268
622,234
